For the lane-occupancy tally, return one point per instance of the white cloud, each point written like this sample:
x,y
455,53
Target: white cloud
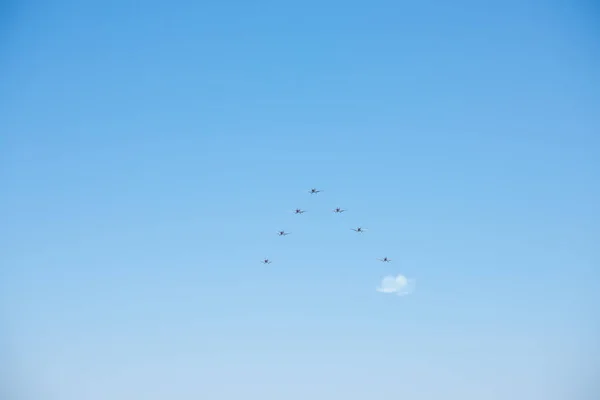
x,y
398,285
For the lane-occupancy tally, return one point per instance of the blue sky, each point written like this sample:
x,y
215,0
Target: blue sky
x,y
149,156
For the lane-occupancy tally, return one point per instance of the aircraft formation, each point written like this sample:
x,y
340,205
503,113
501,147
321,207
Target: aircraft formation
x,y
337,210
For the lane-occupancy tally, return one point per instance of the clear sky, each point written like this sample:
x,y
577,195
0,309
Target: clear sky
x,y
149,155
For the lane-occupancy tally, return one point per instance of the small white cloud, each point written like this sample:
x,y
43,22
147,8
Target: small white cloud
x,y
398,285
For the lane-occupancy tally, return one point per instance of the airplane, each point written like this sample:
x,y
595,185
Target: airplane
x,y
314,191
359,230
283,233
384,259
338,210
299,211
266,261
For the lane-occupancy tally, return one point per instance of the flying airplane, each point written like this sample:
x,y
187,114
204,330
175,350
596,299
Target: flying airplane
x,y
314,191
266,261
283,233
359,230
299,211
384,259
338,210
